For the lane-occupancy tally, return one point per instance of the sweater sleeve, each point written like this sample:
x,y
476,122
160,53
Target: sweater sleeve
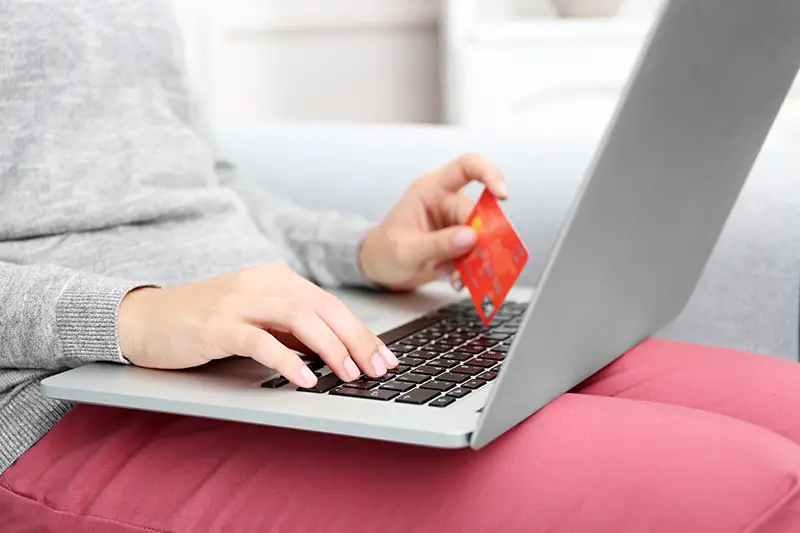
x,y
321,245
55,318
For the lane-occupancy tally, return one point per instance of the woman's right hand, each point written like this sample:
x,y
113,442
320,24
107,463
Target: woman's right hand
x,y
258,312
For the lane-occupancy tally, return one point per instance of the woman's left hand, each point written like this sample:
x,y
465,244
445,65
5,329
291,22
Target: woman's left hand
x,y
424,232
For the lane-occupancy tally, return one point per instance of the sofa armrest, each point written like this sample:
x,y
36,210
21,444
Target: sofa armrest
x,y
747,297
364,169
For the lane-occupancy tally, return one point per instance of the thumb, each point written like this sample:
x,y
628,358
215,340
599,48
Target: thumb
x,y
445,244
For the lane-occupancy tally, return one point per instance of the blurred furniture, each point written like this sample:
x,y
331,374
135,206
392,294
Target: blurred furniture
x,y
366,60
510,67
522,70
747,297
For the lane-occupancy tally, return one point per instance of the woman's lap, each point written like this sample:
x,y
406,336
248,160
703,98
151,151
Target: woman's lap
x,y
583,463
755,388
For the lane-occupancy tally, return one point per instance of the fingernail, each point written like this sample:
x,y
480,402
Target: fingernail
x,y
464,238
502,188
388,356
377,364
457,283
351,368
307,377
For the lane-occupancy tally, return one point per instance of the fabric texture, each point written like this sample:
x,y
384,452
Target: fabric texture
x,y
110,181
671,437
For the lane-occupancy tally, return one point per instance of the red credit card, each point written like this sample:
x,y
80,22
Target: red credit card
x,y
493,266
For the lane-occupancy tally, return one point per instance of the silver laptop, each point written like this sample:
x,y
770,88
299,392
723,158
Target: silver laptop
x,y
703,96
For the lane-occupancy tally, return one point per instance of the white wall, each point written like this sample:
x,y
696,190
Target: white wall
x,y
359,60
503,8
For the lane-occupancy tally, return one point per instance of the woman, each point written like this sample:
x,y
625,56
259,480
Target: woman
x,y
122,239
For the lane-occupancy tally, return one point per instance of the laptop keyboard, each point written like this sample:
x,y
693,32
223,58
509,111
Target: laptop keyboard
x,y
443,357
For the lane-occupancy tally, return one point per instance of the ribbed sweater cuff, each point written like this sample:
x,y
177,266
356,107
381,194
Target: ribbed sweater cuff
x,y
87,317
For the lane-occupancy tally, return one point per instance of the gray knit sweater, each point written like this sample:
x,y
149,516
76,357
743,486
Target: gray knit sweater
x,y
108,183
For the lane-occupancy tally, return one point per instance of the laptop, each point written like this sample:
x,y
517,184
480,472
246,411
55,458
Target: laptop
x,y
702,98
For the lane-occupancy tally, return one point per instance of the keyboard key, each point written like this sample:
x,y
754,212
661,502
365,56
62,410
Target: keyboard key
x,y
432,333
469,370
411,361
399,386
443,363
416,342
362,383
441,386
376,394
384,378
508,330
474,384
494,356
429,370
502,348
483,342
401,369
425,354
454,377
274,383
324,384
413,378
459,393
399,347
489,375
439,347
417,396
449,341
496,336
442,401
472,349
458,356
483,363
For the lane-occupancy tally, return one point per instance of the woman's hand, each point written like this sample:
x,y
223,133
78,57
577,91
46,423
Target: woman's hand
x,y
420,237
259,313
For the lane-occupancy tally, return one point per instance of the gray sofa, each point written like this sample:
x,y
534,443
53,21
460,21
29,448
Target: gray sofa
x,y
746,299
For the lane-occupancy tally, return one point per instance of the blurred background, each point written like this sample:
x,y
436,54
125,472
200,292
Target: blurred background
x,y
468,62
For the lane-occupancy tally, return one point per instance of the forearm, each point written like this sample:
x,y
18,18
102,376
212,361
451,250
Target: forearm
x,y
52,317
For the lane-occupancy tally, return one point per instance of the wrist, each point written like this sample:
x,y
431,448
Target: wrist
x,y
134,308
365,262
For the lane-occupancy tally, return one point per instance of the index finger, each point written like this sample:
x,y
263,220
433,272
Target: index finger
x,y
471,167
